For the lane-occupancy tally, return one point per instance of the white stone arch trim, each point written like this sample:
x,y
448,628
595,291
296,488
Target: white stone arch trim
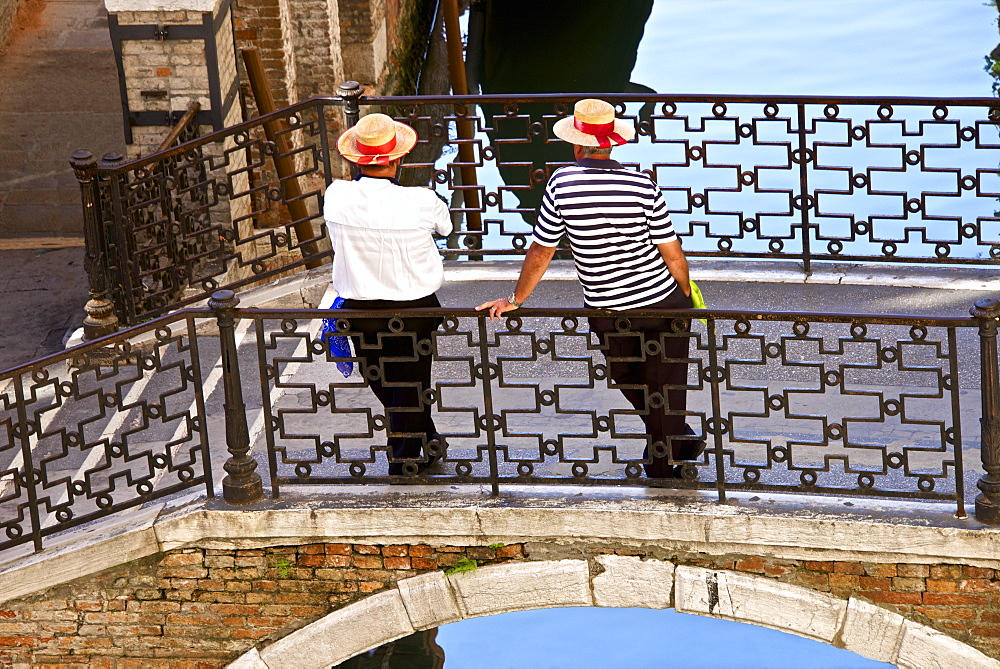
x,y
433,599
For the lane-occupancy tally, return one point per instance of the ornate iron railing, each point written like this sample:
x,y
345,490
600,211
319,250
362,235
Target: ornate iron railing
x,y
852,405
101,428
809,179
855,405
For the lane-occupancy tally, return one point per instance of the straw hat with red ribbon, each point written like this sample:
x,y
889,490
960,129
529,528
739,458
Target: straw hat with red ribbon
x,y
376,140
593,123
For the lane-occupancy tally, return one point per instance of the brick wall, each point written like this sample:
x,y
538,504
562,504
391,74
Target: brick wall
x,y
8,15
204,607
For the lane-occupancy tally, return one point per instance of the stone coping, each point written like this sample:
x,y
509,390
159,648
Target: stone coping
x,y
306,289
772,526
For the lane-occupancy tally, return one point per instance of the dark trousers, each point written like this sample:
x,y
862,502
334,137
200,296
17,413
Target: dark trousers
x,y
398,369
653,382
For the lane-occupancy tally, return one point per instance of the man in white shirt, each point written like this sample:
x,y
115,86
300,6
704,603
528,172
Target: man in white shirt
x,y
385,259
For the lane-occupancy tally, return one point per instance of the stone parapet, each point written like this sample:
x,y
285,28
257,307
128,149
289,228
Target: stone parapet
x,y
245,581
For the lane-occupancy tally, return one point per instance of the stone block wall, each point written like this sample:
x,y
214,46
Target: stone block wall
x,y
205,607
8,14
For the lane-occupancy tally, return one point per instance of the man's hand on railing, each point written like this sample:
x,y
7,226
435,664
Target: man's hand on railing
x,y
498,307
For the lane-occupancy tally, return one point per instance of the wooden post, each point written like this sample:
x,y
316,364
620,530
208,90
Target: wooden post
x,y
464,127
284,164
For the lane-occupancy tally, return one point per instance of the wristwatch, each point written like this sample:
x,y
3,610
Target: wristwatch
x,y
513,300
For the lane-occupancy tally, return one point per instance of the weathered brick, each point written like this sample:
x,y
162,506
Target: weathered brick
x,y
849,581
952,599
848,568
400,550
367,562
985,630
421,551
312,560
891,597
778,568
978,572
946,612
750,564
945,571
907,584
397,563
880,569
975,585
182,559
812,578
914,570
935,585
512,551
875,583
367,550
370,586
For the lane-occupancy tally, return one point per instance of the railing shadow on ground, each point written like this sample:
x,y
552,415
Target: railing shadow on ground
x,y
810,179
813,404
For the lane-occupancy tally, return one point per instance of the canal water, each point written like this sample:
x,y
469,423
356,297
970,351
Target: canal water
x,y
766,47
920,48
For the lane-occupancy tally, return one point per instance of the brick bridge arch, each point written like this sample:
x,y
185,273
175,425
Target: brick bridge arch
x,y
205,584
434,599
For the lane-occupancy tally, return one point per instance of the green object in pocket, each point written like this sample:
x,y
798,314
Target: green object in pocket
x,y
697,299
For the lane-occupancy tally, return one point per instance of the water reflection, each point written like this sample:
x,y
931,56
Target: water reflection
x,y
582,46
557,46
417,651
583,638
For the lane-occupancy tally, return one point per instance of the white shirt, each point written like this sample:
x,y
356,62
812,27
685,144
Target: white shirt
x,y
382,239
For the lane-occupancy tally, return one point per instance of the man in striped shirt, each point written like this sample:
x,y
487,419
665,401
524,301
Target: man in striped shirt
x,y
627,256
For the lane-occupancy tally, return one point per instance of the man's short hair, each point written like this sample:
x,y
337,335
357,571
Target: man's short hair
x,y
595,151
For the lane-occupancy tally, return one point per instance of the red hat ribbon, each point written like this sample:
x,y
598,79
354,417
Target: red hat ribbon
x,y
604,133
375,155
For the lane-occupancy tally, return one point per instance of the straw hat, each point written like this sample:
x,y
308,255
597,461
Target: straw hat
x,y
376,140
593,123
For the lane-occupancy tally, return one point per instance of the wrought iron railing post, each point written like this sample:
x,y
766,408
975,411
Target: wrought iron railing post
x,y
100,319
987,311
242,484
350,92
805,199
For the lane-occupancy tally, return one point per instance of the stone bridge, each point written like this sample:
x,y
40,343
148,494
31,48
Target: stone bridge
x,y
323,576
325,572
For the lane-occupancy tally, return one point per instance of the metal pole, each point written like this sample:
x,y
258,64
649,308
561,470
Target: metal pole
x,y
350,92
464,127
987,311
284,165
100,319
242,485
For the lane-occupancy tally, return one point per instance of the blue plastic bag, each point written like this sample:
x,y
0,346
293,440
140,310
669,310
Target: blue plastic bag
x,y
339,346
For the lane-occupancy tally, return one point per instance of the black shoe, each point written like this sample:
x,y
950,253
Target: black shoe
x,y
434,450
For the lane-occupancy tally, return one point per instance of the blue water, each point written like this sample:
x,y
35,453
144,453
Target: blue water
x,y
604,638
933,48
929,48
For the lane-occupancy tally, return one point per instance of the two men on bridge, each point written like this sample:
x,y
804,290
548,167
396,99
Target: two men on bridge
x,y
627,258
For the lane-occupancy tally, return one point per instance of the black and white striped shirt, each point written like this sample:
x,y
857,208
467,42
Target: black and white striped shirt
x,y
614,218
